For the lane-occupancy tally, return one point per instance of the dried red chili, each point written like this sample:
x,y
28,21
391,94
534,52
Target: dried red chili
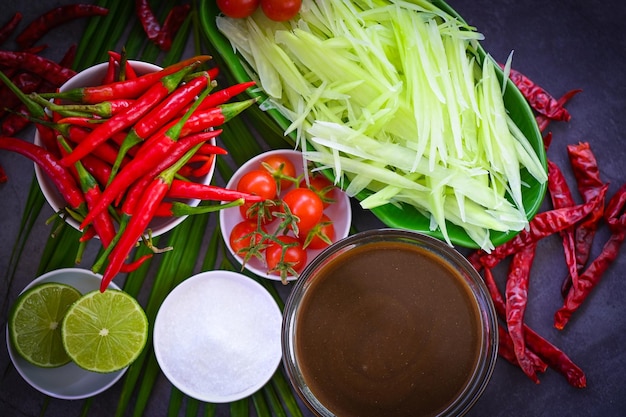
x,y
45,68
54,18
561,197
516,299
538,98
148,19
9,27
173,21
543,121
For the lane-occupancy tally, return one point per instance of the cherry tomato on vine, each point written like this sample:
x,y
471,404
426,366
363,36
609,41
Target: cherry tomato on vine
x,y
258,182
281,168
291,263
306,205
324,187
244,236
320,236
238,8
281,10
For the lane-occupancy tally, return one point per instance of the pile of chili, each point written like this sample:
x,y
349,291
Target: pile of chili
x,y
113,187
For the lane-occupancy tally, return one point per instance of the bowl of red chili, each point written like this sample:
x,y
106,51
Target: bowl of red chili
x,y
104,158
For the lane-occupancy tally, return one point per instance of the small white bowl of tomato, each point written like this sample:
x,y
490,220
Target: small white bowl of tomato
x,y
302,213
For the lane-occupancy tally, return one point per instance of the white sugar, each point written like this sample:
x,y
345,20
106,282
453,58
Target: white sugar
x,y
218,336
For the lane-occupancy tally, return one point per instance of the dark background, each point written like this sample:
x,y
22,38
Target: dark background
x,y
561,45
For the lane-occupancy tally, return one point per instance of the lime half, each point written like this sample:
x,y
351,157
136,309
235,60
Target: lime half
x,y
35,323
104,331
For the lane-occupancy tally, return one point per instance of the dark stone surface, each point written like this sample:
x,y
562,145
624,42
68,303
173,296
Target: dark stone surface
x,y
562,45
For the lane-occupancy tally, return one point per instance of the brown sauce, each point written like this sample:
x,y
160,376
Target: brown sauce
x,y
387,330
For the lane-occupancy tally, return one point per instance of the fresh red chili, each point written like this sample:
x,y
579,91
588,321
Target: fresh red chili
x,y
516,297
538,98
222,96
138,223
54,18
544,121
147,158
123,89
553,356
123,120
104,109
178,208
216,116
43,67
9,27
173,21
58,174
125,66
109,75
194,190
561,197
542,225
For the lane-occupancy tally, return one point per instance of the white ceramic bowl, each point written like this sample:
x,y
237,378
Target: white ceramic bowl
x,y
90,77
67,382
217,336
339,212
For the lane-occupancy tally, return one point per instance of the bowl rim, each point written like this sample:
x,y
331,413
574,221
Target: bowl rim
x,y
30,373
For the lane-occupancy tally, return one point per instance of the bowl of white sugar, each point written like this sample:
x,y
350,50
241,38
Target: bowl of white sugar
x,y
217,336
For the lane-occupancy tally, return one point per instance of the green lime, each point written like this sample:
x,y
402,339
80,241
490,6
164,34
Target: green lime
x,y
104,331
35,323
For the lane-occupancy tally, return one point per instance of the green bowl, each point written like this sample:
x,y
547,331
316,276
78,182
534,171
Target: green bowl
x,y
406,216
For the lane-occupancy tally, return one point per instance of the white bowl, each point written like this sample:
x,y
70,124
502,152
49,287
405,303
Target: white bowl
x,y
90,77
217,336
339,212
67,382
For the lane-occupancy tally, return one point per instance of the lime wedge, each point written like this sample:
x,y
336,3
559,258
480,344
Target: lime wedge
x,y
104,331
35,323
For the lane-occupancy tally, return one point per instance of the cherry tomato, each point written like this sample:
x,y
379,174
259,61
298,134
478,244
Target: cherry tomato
x,y
324,187
281,10
281,168
237,8
244,236
258,182
321,236
306,205
291,263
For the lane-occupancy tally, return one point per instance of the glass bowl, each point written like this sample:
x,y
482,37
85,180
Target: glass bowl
x,y
67,382
389,322
90,77
339,212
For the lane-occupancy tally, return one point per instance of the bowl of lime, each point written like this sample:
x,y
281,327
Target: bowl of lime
x,y
50,346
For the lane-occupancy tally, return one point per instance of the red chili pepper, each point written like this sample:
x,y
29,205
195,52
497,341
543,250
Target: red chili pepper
x,y
9,27
68,59
615,206
127,72
123,89
542,225
553,356
561,197
99,169
516,296
146,159
178,208
54,18
222,96
216,116
538,98
173,22
148,19
587,174
57,173
149,202
45,68
104,109
530,360
194,190
109,75
543,121
161,114
121,121
105,151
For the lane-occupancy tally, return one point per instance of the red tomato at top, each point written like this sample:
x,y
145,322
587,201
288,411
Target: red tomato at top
x,y
258,182
306,205
280,10
237,8
281,167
